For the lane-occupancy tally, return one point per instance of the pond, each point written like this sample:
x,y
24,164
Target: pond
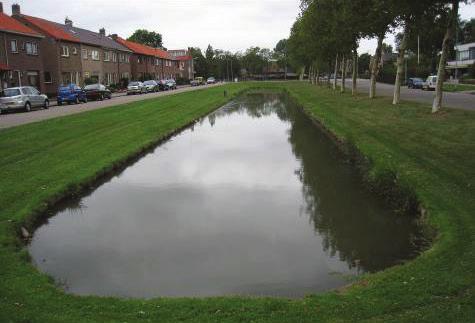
x,y
252,200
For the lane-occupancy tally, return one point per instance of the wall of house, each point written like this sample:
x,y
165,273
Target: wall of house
x,y
26,69
92,68
115,67
141,66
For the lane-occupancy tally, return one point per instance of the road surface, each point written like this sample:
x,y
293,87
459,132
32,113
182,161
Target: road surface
x,y
16,118
457,100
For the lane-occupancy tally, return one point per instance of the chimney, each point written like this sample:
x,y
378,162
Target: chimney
x,y
68,22
114,36
102,32
1,7
16,9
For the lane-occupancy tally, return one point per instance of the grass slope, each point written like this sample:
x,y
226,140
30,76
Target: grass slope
x,y
433,156
458,87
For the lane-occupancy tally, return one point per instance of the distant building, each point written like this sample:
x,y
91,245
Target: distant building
x,y
186,69
464,59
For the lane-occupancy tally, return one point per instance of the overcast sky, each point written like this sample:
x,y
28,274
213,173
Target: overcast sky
x,y
225,24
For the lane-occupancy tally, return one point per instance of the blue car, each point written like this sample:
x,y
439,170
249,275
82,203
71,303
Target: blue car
x,y
415,83
71,93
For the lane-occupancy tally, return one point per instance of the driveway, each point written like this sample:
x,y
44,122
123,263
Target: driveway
x,y
457,100
13,119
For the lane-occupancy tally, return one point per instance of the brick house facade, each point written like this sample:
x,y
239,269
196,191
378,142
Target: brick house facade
x,y
61,51
155,63
21,58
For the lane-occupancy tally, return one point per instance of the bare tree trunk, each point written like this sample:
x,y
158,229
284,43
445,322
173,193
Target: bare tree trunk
x,y
336,72
318,76
400,67
375,67
355,72
343,74
437,105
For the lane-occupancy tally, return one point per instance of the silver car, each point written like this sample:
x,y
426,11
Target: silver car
x,y
136,88
24,97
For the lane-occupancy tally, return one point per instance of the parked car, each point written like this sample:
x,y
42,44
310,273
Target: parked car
x,y
415,83
171,83
97,92
430,83
211,80
24,97
152,86
167,84
199,81
136,88
71,93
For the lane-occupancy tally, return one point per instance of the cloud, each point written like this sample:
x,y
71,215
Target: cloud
x,y
226,24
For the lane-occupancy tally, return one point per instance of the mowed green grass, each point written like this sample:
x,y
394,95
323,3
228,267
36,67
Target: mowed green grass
x,y
458,87
432,156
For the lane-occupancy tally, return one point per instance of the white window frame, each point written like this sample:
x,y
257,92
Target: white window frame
x,y
14,48
107,56
64,51
84,54
95,55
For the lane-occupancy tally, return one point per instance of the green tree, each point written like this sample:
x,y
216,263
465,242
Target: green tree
x,y
281,53
149,38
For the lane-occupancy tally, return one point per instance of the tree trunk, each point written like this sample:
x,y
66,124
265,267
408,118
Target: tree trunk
x,y
310,74
336,72
318,76
343,74
375,67
302,73
437,105
400,67
355,72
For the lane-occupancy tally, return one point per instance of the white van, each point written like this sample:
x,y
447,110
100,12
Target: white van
x,y
430,83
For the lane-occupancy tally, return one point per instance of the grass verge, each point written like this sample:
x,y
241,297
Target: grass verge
x,y
458,87
432,155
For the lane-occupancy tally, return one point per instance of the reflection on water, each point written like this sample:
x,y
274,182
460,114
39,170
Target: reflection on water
x,y
253,200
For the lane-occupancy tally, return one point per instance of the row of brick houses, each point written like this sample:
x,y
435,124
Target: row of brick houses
x,y
46,54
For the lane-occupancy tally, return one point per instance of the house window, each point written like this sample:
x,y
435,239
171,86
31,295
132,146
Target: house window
x,y
84,54
14,46
106,56
95,55
31,48
75,51
114,57
464,55
65,51
48,78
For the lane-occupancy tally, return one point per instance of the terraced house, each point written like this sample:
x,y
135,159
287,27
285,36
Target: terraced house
x,y
21,59
76,55
155,63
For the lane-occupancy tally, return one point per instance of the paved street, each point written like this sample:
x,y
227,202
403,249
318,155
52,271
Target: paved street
x,y
460,100
13,119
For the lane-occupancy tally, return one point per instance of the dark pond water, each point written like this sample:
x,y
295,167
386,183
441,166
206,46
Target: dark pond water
x,y
254,200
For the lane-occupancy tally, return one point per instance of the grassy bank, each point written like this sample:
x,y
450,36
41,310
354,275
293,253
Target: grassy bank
x,y
458,87
432,156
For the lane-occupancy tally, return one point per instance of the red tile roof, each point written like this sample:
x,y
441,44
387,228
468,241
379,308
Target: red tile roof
x,y
10,24
50,28
184,58
143,49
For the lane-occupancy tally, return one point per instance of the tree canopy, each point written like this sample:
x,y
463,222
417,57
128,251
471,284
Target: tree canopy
x,y
149,38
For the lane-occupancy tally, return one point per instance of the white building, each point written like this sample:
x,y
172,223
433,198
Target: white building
x,y
465,57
